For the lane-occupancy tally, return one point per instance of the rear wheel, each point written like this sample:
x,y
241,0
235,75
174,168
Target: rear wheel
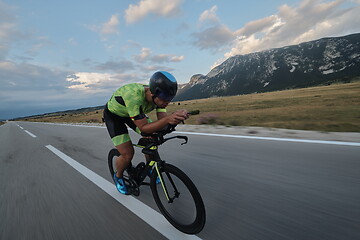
x,y
181,203
113,154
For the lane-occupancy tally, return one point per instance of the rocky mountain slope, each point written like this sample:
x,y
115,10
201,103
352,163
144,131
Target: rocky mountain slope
x,y
307,64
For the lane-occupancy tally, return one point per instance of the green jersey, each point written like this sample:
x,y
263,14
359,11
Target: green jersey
x,y
130,101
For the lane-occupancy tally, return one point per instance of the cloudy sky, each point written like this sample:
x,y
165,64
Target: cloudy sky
x,y
60,55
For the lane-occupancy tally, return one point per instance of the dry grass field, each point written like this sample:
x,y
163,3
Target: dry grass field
x,y
334,108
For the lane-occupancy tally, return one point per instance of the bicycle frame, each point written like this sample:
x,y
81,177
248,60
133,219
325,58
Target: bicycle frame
x,y
156,162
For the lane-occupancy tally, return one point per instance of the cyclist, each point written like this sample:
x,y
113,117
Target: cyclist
x,y
129,105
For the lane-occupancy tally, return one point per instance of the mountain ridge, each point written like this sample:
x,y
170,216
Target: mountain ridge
x,y
303,65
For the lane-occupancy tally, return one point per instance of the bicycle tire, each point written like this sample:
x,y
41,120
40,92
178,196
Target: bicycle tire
x,y
197,223
113,153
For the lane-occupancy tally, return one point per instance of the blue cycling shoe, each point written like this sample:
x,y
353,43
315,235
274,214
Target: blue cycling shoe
x,y
120,185
157,179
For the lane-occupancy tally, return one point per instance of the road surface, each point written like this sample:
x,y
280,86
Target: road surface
x,y
55,184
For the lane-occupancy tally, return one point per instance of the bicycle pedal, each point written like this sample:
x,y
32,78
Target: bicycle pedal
x,y
134,191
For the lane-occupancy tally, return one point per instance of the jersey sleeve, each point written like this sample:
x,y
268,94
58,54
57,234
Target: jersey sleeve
x,y
160,109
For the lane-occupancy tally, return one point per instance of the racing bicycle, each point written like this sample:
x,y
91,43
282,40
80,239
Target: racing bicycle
x,y
175,194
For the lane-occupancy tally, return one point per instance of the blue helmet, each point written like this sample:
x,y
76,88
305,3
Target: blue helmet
x,y
163,85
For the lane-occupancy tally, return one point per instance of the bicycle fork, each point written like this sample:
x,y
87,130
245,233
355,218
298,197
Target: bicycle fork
x,y
163,185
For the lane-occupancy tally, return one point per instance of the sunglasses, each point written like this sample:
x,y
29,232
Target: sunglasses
x,y
165,97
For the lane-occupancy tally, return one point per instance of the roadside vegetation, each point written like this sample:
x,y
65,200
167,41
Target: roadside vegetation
x,y
324,108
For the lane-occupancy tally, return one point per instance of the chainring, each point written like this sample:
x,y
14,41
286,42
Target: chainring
x,y
132,185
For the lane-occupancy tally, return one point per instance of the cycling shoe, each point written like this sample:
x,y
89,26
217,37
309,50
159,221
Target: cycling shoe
x,y
120,185
157,179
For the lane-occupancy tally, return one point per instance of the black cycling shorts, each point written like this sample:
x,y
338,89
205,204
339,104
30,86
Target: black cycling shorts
x,y
117,128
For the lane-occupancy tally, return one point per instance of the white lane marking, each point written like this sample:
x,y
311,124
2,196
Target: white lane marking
x,y
71,124
19,126
147,214
355,144
30,133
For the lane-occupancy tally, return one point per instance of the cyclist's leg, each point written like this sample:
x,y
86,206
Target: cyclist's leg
x,y
126,150
132,125
121,140
136,129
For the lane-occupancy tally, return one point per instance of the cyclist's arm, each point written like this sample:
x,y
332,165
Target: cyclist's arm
x,y
161,115
175,118
152,127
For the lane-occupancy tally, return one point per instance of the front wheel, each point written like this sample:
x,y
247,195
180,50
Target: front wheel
x,y
178,199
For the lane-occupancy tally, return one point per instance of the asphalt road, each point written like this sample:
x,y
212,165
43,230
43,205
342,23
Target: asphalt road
x,y
252,188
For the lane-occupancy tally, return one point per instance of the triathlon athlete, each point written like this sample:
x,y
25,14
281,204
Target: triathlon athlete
x,y
129,105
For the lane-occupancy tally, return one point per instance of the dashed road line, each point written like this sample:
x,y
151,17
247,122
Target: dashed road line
x,y
30,133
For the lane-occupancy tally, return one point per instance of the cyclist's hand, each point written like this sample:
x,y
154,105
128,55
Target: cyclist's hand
x,y
178,117
184,113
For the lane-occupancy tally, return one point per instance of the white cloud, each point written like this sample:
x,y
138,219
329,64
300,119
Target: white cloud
x,y
10,35
116,66
111,26
29,76
174,58
38,45
93,82
154,68
311,20
146,55
161,58
107,28
8,31
84,80
209,15
266,24
213,37
163,8
28,89
34,79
